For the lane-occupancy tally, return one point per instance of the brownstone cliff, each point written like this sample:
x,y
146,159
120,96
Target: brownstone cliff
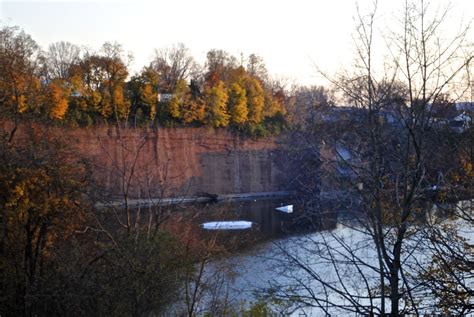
x,y
168,162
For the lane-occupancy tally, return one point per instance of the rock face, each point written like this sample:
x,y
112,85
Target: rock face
x,y
173,162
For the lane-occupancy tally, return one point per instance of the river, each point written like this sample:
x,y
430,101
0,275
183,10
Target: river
x,y
269,263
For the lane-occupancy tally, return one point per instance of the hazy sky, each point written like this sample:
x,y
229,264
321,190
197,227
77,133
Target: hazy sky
x,y
291,36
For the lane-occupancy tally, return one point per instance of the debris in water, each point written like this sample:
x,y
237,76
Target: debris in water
x,y
227,225
288,209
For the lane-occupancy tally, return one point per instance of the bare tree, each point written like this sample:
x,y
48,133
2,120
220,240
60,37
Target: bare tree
x,y
60,57
378,153
256,67
172,65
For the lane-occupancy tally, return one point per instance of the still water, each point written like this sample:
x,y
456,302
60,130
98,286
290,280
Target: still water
x,y
266,219
241,275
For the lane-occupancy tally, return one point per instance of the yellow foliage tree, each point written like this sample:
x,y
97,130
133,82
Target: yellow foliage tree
x,y
238,104
100,81
255,100
272,105
148,97
141,91
216,106
179,99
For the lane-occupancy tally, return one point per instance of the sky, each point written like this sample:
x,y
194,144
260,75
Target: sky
x,y
293,37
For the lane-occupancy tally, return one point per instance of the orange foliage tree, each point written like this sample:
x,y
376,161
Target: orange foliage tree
x,y
57,99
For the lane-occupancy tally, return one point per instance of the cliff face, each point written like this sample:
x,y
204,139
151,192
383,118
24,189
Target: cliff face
x,y
173,162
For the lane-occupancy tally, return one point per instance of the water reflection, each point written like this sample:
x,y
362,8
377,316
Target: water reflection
x,y
262,213
269,222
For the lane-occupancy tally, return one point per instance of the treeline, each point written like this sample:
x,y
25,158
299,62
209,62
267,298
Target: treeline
x,y
70,85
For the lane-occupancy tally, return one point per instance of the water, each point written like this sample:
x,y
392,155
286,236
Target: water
x,y
266,264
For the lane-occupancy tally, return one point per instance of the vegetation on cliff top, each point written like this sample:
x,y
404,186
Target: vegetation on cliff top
x,y
72,86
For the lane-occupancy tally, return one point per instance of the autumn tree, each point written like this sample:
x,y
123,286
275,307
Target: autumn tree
x,y
219,64
255,100
142,92
18,72
216,105
57,99
193,109
306,102
237,104
273,104
79,87
43,204
448,270
261,102
115,67
101,80
179,99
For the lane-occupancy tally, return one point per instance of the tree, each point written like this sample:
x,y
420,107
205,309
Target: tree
x,y
379,153
142,91
237,104
256,67
216,106
18,72
57,99
115,67
193,109
43,204
273,104
306,103
218,65
179,99
255,100
100,79
449,269
173,65
60,57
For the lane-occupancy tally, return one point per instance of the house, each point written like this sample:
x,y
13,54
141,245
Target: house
x,y
164,97
460,123
465,106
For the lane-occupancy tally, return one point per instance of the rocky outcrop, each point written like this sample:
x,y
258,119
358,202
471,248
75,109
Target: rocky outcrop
x,y
173,162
